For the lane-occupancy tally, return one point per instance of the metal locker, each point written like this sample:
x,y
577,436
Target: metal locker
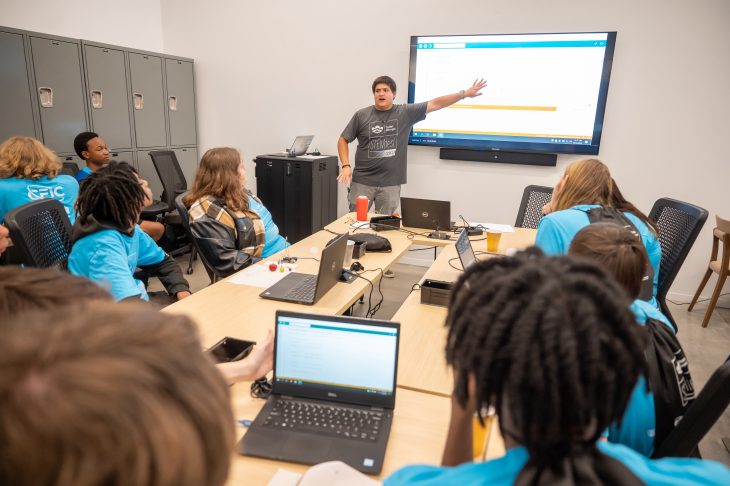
x,y
15,88
147,171
108,96
148,104
180,102
59,88
187,157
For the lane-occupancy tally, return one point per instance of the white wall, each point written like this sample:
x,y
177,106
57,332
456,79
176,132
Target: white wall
x,y
267,71
129,23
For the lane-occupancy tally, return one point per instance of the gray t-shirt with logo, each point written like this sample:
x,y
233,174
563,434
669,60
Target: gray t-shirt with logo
x,y
382,143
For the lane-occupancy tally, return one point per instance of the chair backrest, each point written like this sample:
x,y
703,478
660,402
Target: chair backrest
x,y
722,224
679,225
533,199
70,168
171,175
42,232
185,219
700,416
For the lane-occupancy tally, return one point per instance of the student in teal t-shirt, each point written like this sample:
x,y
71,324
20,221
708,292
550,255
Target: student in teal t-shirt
x,y
552,345
623,255
29,171
588,184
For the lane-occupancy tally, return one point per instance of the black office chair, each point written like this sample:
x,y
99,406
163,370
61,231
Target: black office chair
x,y
679,225
709,405
70,168
41,231
185,220
533,199
173,184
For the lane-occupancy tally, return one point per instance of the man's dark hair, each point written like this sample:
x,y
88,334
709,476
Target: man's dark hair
x,y
553,346
384,80
112,195
81,142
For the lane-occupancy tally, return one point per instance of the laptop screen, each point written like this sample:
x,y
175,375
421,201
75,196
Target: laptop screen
x,y
465,250
336,358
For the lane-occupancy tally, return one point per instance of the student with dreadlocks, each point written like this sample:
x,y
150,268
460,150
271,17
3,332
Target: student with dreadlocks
x,y
552,345
109,245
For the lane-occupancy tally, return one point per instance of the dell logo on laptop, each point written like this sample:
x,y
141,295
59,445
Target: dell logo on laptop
x,y
424,214
332,395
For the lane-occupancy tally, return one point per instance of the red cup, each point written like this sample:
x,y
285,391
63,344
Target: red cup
x,y
361,206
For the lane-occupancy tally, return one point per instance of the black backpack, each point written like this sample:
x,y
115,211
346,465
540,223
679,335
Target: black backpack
x,y
611,215
668,377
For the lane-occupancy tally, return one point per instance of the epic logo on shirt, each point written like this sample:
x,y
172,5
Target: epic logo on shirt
x,y
45,192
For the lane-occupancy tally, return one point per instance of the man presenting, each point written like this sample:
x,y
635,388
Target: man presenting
x,y
382,134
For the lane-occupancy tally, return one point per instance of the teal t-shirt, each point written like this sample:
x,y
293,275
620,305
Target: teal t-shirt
x,y
15,192
110,257
638,425
504,471
557,230
274,242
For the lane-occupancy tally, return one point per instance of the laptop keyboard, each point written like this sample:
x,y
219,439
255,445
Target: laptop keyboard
x,y
331,420
304,290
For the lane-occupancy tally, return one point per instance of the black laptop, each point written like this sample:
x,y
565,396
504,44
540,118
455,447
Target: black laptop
x,y
333,392
465,250
426,213
302,288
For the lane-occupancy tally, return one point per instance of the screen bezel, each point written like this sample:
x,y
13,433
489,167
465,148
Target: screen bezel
x,y
344,395
534,147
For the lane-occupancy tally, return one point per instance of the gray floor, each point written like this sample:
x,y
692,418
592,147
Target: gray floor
x,y
706,348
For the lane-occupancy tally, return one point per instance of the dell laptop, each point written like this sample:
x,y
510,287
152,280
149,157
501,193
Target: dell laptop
x,y
333,392
426,213
465,250
302,288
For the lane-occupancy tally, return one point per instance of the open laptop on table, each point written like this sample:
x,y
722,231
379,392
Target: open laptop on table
x,y
426,213
302,288
333,392
465,250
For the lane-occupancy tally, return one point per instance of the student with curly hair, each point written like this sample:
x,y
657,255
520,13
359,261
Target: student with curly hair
x,y
30,171
552,345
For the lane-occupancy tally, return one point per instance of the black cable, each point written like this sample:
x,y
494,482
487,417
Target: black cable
x,y
261,388
376,307
415,287
452,265
372,287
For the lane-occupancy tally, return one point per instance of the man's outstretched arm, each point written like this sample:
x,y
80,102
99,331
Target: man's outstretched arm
x,y
450,99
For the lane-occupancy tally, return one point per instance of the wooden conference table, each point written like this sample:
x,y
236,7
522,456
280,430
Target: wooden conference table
x,y
423,398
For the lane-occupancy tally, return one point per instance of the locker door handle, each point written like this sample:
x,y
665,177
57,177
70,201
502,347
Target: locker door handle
x,y
172,102
138,101
96,99
46,96
288,169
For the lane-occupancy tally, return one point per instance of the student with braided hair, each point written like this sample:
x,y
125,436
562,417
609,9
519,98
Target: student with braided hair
x,y
552,345
108,245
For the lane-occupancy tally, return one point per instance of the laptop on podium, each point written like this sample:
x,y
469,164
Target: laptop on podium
x,y
333,392
302,288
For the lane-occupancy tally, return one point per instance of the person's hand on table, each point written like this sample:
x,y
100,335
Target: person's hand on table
x,y
183,294
256,365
